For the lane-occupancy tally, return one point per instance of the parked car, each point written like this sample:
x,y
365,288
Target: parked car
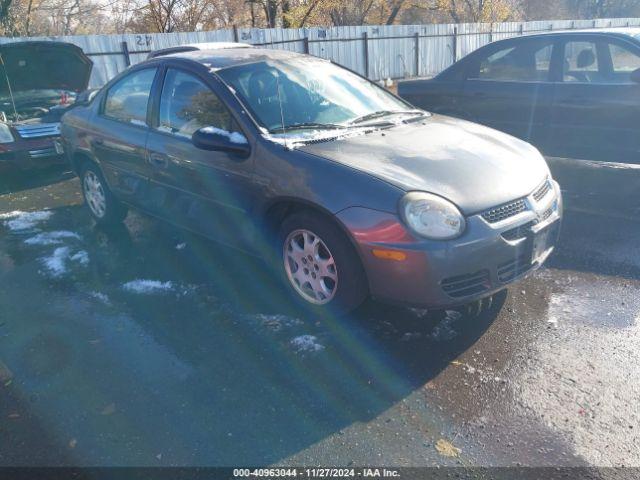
x,y
39,81
360,193
572,94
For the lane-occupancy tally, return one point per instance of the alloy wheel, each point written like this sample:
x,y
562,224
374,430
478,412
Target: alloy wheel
x,y
94,194
310,267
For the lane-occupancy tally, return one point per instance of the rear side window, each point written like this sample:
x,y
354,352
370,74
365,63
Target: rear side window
x,y
187,104
529,62
128,98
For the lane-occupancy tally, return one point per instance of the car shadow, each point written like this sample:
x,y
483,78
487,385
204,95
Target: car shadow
x,y
17,181
198,350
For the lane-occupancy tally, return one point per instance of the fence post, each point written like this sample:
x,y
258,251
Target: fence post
x,y
455,44
365,40
305,45
125,52
491,32
521,29
236,37
416,37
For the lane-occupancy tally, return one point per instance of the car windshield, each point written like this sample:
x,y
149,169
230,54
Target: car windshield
x,y
309,93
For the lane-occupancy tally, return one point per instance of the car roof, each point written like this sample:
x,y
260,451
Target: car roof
x,y
229,57
631,32
189,47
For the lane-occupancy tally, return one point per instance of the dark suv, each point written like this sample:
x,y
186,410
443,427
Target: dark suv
x,y
355,191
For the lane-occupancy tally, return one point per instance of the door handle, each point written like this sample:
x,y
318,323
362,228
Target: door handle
x,y
96,142
159,160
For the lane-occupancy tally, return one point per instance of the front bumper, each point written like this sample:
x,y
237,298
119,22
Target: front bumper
x,y
30,155
484,260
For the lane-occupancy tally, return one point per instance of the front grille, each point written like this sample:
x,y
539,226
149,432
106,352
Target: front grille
x,y
43,152
465,285
505,211
38,130
514,268
542,191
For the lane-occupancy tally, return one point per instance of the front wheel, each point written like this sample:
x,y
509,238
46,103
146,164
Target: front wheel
x,y
103,206
320,265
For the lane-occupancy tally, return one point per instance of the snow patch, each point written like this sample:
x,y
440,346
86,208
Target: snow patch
x,y
276,322
146,287
293,140
306,343
234,137
51,238
19,220
444,330
101,297
57,263
82,257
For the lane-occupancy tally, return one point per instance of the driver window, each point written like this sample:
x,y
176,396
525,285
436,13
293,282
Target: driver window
x,y
528,62
581,62
187,104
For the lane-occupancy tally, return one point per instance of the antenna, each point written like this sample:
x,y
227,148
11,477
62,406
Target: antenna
x,y
284,131
13,102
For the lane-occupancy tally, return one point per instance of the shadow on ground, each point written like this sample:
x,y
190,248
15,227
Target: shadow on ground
x,y
164,348
18,181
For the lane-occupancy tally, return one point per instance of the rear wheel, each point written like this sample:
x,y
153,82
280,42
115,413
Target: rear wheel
x,y
103,206
320,265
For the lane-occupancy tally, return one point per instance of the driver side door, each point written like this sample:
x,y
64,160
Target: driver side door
x,y
209,192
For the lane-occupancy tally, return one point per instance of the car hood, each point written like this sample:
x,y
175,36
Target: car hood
x,y
42,66
473,166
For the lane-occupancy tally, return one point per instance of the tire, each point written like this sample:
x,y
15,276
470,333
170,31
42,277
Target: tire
x,y
101,202
344,287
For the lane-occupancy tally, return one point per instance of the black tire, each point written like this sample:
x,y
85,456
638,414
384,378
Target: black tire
x,y
351,288
114,211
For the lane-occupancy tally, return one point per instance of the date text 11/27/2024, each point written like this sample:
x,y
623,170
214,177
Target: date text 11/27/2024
x,y
316,472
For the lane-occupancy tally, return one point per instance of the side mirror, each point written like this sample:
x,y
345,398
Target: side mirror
x,y
212,138
635,76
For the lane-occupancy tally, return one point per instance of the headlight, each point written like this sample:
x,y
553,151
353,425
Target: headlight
x,y
431,216
5,134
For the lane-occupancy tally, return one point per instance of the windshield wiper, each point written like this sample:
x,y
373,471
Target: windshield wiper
x,y
384,113
305,125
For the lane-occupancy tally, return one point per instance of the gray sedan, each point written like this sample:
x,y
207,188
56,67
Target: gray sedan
x,y
352,191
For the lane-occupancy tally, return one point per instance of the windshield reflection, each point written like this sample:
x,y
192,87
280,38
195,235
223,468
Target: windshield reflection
x,y
307,93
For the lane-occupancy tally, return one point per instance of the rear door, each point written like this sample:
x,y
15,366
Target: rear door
x,y
206,191
596,109
509,87
120,133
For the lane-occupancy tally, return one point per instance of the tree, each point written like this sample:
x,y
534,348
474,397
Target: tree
x,y
605,8
478,10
